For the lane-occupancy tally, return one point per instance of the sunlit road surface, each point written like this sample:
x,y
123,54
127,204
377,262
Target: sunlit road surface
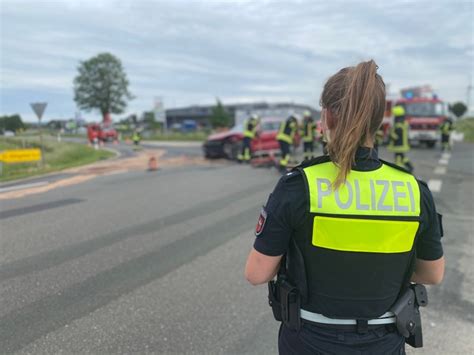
x,y
153,262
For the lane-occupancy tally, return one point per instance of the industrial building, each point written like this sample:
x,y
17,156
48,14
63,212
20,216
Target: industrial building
x,y
237,112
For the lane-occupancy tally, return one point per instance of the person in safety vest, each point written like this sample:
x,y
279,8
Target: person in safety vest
x,y
250,131
285,136
136,137
308,134
446,129
398,143
350,237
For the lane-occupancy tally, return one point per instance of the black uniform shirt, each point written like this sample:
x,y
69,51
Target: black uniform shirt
x,y
286,213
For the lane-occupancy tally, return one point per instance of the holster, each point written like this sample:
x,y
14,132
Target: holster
x,y
285,296
285,301
408,318
274,300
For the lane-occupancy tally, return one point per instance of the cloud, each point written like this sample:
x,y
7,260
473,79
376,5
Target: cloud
x,y
192,52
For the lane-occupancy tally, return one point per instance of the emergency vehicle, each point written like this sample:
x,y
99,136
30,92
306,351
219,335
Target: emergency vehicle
x,y
424,112
101,132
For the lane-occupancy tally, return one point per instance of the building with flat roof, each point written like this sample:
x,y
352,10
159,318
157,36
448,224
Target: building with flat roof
x,y
237,112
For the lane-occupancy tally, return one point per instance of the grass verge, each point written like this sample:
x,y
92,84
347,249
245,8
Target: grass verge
x,y
466,126
57,156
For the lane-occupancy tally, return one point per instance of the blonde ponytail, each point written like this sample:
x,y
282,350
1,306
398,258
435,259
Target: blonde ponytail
x,y
356,98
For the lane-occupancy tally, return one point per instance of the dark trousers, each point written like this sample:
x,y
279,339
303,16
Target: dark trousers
x,y
308,148
445,142
245,154
316,340
285,153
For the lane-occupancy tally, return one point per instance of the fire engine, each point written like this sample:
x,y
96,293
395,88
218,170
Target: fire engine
x,y
424,112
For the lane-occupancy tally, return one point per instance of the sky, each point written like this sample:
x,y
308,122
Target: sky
x,y
190,52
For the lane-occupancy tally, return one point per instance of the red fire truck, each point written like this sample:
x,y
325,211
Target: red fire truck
x,y
101,132
424,112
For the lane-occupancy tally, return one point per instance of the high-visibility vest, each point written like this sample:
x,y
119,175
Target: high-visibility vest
x,y
287,131
446,127
399,138
360,239
308,131
250,128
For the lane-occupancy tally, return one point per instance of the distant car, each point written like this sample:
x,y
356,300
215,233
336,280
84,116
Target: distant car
x,y
229,144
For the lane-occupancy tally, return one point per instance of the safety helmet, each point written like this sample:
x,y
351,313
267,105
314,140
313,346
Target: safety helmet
x,y
307,114
254,117
398,111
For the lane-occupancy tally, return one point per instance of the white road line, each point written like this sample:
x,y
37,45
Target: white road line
x,y
443,162
446,156
23,186
435,185
440,170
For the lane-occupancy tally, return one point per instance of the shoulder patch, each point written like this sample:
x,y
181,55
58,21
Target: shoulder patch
x,y
262,218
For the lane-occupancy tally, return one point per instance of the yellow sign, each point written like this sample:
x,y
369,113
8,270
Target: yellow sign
x,y
20,155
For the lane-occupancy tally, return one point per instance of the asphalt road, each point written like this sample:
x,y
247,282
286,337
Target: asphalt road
x,y
153,262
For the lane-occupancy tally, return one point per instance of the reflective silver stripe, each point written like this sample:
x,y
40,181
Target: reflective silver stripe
x,y
386,318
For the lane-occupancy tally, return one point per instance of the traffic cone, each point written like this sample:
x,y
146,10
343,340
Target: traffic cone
x,y
152,164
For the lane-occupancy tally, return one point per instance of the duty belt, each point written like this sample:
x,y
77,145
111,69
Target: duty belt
x,y
386,318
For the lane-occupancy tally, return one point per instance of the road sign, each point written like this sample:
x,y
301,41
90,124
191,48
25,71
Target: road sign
x,y
20,155
38,108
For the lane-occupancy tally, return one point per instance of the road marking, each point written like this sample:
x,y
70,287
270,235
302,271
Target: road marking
x,y
435,185
440,170
23,186
445,155
443,162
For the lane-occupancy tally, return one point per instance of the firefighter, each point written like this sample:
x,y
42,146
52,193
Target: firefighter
x,y
346,233
308,134
399,138
136,137
446,129
250,131
285,138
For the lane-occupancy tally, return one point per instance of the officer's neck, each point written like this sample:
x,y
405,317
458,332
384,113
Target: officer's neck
x,y
369,143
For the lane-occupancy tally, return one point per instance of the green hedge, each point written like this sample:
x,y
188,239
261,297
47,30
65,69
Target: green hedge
x,y
466,126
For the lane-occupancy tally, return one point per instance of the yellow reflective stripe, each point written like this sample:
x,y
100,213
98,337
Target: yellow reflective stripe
x,y
364,235
382,192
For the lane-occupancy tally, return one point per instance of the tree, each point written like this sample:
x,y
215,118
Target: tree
x,y
458,109
102,85
219,117
12,123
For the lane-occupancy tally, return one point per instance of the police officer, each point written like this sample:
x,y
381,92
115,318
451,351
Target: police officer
x,y
353,229
398,143
308,134
446,129
250,130
285,137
